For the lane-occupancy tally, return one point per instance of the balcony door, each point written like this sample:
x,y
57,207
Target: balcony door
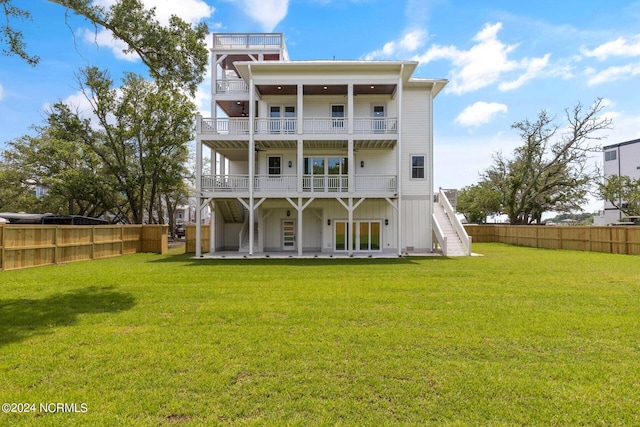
x,y
378,119
325,174
282,119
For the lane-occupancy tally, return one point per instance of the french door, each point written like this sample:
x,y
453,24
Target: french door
x,y
365,237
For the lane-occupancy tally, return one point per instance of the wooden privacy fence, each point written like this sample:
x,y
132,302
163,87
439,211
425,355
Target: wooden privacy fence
x,y
23,246
615,240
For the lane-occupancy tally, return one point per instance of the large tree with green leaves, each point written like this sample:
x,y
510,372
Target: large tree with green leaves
x,y
477,202
144,132
550,170
623,192
175,54
60,160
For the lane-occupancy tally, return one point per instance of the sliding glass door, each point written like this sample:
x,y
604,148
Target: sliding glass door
x,y
366,236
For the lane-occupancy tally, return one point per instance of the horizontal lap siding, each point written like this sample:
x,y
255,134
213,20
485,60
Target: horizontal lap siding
x,y
416,130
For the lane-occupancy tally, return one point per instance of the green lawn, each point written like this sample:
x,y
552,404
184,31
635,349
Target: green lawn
x,y
518,336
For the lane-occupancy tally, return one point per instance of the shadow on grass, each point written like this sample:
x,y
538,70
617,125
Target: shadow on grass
x,y
23,318
190,260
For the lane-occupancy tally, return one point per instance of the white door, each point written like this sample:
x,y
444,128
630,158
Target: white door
x,y
289,235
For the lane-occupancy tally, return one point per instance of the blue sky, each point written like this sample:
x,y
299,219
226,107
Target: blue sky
x,y
505,60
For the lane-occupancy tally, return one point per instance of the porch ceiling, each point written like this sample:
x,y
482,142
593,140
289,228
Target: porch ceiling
x,y
237,149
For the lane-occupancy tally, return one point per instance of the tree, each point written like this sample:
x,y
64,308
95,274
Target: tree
x,y
144,132
176,55
623,192
549,172
59,160
477,202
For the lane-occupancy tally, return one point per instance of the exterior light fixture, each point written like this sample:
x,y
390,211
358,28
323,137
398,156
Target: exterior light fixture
x,y
288,213
361,163
325,88
290,163
386,222
329,221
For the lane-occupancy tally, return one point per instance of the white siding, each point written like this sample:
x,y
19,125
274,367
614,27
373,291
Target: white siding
x,y
416,217
416,131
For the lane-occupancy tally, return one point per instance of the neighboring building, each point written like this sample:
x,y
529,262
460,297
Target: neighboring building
x,y
338,158
619,159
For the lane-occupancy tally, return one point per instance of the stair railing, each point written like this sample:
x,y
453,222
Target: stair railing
x,y
455,222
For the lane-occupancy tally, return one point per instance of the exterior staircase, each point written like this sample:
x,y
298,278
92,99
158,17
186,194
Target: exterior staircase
x,y
449,232
244,237
232,210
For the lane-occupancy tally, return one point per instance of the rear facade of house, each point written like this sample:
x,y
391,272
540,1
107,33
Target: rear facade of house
x,y
301,157
621,159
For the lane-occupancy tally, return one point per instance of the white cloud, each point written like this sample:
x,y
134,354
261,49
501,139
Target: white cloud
x,y
1,92
612,74
533,69
618,47
104,38
480,113
408,44
485,63
268,13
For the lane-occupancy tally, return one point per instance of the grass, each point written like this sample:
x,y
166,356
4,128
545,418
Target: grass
x,y
520,336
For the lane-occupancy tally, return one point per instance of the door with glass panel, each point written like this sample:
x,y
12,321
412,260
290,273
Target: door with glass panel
x,y
288,235
365,237
378,119
337,174
274,116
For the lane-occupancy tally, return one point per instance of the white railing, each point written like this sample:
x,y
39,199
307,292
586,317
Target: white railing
x,y
289,126
381,125
234,126
247,40
440,237
310,183
231,86
276,126
276,183
385,183
325,183
225,183
324,125
457,225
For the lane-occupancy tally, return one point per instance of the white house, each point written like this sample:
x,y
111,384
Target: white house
x,y
318,157
619,159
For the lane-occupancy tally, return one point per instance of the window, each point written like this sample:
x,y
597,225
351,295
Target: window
x,y
275,165
609,155
417,167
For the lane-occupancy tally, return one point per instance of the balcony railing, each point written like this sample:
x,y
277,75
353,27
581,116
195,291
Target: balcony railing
x,y
315,126
247,40
226,183
289,183
325,183
235,126
231,86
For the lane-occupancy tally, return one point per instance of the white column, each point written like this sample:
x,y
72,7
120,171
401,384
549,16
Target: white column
x,y
300,109
350,113
351,166
399,154
300,163
299,233
212,228
350,231
198,185
252,155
